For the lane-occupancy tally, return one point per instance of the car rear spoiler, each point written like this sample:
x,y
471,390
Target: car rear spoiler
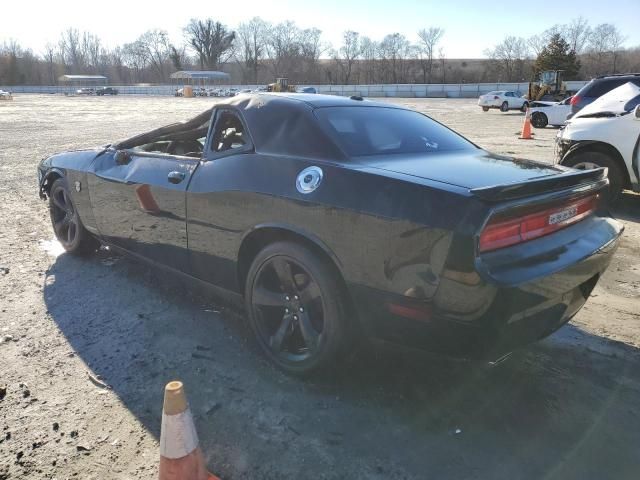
x,y
589,179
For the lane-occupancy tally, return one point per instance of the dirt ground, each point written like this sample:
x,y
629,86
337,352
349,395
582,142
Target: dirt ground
x,y
566,408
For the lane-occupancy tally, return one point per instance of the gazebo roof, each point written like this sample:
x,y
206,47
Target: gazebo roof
x,y
200,74
77,78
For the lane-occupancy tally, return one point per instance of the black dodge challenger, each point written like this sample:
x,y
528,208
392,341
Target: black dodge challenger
x,y
336,219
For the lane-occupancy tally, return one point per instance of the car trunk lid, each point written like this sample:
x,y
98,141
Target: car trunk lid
x,y
486,175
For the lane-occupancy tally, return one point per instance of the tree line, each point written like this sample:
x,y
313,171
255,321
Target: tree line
x,y
257,52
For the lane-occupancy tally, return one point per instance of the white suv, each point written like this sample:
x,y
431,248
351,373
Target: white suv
x,y
504,100
606,133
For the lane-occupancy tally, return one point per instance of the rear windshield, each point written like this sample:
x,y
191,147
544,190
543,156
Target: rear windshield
x,y
605,86
362,131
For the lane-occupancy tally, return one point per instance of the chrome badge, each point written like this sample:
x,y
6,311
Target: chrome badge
x,y
78,186
309,179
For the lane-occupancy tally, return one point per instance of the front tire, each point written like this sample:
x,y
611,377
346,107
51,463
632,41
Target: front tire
x,y
587,160
504,107
66,222
296,308
539,120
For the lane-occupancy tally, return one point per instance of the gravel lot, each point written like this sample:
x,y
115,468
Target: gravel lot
x,y
566,408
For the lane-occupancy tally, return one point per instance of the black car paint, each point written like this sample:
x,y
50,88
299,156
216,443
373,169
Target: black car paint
x,y
398,230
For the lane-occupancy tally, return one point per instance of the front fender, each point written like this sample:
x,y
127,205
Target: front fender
x,y
73,166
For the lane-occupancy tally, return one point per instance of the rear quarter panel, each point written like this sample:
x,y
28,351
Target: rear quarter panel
x,y
385,233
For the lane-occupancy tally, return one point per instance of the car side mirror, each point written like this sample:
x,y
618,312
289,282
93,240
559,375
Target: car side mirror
x,y
636,112
122,157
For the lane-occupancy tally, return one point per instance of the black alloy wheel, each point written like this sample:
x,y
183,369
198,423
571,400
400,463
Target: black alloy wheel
x,y
66,222
539,120
295,308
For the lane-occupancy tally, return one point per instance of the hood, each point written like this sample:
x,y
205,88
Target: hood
x,y
467,168
613,102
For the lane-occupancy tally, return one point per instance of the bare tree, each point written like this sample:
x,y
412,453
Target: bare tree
x,y
537,42
348,54
393,52
156,48
211,40
443,58
71,50
135,57
509,57
283,47
311,48
429,39
369,57
49,56
251,48
91,49
604,48
577,34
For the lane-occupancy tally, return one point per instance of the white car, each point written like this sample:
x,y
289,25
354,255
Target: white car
x,y
549,113
4,95
504,100
606,133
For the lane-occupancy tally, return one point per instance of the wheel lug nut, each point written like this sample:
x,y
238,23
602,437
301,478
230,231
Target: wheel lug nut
x,y
295,297
287,298
286,310
301,309
295,317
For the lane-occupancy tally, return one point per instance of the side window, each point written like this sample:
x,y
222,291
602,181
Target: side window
x,y
229,133
603,87
180,139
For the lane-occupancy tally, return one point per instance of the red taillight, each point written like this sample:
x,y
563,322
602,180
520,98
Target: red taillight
x,y
574,100
504,232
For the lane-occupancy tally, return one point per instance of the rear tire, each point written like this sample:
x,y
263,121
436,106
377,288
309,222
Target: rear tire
x,y
66,222
296,308
504,107
539,120
485,109
586,160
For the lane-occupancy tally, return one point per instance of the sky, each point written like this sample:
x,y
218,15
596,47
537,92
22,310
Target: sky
x,y
470,26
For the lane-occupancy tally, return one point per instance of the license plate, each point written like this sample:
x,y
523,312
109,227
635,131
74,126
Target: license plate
x,y
562,215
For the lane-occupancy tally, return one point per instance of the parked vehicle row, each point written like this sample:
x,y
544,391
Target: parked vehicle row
x,y
232,92
100,91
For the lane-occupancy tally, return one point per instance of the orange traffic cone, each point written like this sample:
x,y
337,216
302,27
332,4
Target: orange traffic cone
x,y
180,455
526,128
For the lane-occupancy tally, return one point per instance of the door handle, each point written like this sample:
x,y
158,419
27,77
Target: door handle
x,y
175,177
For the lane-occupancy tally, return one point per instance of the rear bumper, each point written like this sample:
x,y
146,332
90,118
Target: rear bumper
x,y
510,303
489,103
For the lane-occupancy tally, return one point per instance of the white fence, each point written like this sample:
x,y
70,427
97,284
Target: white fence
x,y
434,90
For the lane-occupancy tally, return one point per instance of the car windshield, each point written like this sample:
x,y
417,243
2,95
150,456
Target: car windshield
x,y
363,131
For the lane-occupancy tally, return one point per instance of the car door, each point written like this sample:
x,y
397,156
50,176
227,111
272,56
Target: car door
x,y
508,96
139,203
214,205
